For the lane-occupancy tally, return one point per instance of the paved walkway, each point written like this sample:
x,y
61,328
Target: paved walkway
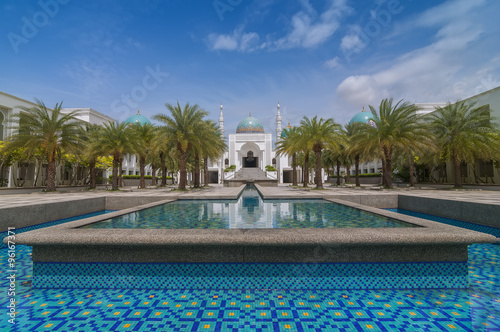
x,y
216,191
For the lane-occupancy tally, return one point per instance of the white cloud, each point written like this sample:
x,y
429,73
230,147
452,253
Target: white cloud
x,y
307,29
442,71
352,41
236,41
332,63
223,42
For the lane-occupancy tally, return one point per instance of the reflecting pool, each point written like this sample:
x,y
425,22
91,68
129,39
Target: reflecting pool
x,y
250,211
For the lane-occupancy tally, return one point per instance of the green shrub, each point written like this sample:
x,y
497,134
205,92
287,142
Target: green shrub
x,y
147,177
270,168
230,168
366,175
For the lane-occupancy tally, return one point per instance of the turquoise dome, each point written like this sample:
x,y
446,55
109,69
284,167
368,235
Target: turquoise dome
x,y
250,125
138,119
284,132
364,117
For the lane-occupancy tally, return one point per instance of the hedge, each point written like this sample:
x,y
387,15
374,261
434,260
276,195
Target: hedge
x,y
366,175
147,177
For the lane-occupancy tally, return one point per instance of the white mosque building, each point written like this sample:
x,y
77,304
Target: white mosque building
x,y
251,154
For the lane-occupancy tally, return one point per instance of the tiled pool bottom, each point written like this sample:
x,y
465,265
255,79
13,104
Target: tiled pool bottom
x,y
51,223
475,227
473,309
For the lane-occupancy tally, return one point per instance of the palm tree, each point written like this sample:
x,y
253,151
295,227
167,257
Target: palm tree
x,y
49,130
144,135
328,161
353,152
319,134
289,145
115,140
397,126
212,147
90,151
181,126
464,132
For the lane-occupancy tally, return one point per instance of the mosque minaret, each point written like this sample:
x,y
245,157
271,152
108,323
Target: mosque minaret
x,y
278,123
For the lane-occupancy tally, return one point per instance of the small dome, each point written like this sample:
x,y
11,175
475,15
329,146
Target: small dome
x,y
364,117
284,132
249,125
138,119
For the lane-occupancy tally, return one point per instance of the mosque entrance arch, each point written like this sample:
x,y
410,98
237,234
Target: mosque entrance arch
x,y
250,160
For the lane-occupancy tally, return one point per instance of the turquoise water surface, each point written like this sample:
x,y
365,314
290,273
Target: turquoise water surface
x,y
250,211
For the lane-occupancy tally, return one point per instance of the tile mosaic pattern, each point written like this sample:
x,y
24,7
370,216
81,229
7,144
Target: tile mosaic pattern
x,y
476,309
52,223
251,275
475,227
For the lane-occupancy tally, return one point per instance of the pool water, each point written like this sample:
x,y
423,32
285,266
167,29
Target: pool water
x,y
475,309
250,211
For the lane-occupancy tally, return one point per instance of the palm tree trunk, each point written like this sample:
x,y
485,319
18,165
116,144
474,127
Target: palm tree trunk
x,y
388,167
338,172
153,175
412,176
196,171
114,180
347,173
92,171
163,170
205,171
356,168
182,171
142,166
294,169
319,180
51,176
458,175
120,172
384,184
306,169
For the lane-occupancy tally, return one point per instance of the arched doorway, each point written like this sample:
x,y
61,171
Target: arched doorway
x,y
250,160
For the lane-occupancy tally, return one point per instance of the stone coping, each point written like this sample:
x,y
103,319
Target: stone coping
x,y
429,233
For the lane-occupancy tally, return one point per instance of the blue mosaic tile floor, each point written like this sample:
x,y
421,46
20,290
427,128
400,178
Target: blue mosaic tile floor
x,y
473,309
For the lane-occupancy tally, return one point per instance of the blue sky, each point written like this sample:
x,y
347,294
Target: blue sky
x,y
326,57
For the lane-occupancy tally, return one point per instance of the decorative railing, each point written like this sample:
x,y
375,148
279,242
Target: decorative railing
x,y
228,175
272,175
